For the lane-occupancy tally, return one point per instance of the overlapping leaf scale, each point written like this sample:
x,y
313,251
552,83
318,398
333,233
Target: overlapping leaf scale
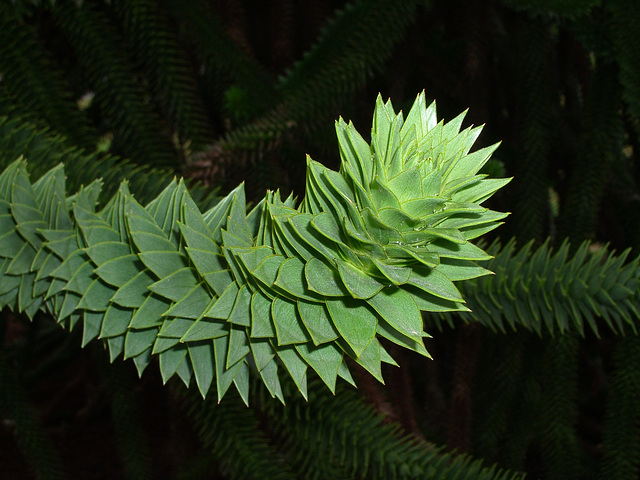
x,y
18,245
146,280
216,294
37,234
555,292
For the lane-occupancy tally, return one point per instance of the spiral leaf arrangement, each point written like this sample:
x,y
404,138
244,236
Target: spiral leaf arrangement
x,y
214,295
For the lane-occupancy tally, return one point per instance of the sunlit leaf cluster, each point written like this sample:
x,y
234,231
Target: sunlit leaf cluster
x,y
273,288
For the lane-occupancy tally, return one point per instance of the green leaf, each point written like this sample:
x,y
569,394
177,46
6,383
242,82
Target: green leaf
x,y
133,293
291,279
170,360
81,278
383,197
326,225
10,240
404,184
423,206
21,263
106,250
157,252
269,375
296,367
359,283
400,311
399,220
466,220
286,235
425,235
480,189
162,263
345,374
69,305
457,270
142,360
224,305
205,261
119,271
193,304
216,217
115,346
393,335
241,313
92,323
238,345
395,274
205,329
224,377
301,225
116,321
328,195
323,279
26,302
317,322
262,352
468,165
408,253
467,251
470,233
432,281
267,270
385,357
185,372
287,322
261,322
202,361
355,322
95,230
137,342
176,285
369,247
173,329
430,303
150,312
324,359
241,381
355,152
196,233
96,296
370,360
238,215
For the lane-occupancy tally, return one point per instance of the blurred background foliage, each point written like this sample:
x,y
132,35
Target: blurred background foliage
x,y
230,90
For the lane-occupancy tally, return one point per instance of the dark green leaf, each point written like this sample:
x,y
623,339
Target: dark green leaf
x,y
202,360
287,322
324,359
317,322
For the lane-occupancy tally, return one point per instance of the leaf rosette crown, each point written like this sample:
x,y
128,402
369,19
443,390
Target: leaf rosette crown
x,y
386,236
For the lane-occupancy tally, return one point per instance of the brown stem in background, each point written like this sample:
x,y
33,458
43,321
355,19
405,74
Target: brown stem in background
x,y
400,390
478,60
468,343
395,399
373,392
282,34
235,18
